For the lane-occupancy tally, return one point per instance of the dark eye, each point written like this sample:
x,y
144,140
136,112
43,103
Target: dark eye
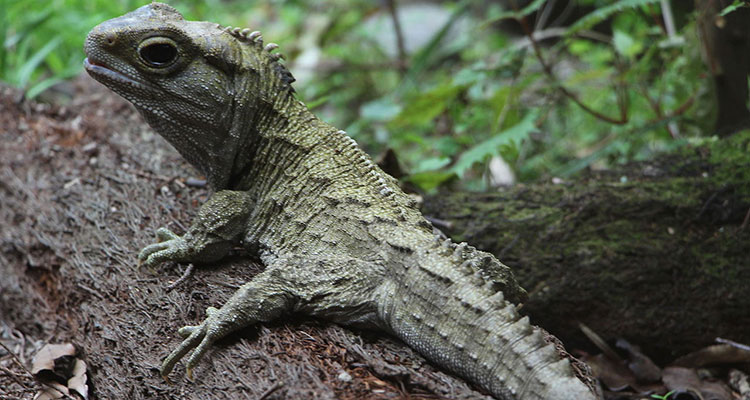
x,y
158,55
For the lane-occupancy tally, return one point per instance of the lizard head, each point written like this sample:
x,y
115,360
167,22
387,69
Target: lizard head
x,y
199,85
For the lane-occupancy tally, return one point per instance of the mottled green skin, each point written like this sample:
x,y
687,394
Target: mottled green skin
x,y
339,239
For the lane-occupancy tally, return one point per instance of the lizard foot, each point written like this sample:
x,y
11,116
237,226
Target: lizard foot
x,y
171,247
197,337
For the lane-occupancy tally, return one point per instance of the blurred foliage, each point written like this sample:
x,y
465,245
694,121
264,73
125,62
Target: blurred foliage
x,y
475,89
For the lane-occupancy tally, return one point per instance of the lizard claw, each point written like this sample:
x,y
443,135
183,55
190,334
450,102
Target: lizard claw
x,y
164,234
197,338
170,247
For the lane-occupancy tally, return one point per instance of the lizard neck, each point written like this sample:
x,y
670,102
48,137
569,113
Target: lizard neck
x,y
278,133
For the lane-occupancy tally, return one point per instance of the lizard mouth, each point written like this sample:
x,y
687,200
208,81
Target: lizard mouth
x,y
106,75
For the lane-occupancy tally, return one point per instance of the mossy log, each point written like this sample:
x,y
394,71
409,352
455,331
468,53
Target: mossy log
x,y
656,253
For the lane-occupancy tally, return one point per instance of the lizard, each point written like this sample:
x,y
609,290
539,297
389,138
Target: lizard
x,y
337,236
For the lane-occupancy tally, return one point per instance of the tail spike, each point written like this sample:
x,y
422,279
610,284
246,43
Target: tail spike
x,y
270,47
254,35
277,56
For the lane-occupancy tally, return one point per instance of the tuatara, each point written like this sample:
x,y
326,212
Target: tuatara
x,y
338,237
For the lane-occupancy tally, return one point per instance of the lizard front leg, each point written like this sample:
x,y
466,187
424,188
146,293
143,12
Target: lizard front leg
x,y
220,224
264,298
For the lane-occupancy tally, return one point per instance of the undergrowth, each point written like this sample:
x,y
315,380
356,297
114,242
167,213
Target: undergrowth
x,y
547,94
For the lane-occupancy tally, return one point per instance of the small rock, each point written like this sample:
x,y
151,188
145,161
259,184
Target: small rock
x,y
344,376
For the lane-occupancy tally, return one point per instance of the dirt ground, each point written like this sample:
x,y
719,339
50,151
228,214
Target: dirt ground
x,y
83,187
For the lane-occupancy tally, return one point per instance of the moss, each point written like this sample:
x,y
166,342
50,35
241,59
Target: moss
x,y
659,248
731,160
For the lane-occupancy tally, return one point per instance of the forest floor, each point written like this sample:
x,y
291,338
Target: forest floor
x,y
82,188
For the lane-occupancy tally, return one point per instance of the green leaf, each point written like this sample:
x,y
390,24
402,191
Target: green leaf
x,y
579,47
490,147
431,164
421,60
603,13
430,180
422,109
381,110
734,6
313,104
533,6
25,71
41,86
625,45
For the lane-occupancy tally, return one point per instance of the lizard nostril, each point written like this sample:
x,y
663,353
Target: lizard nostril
x,y
110,39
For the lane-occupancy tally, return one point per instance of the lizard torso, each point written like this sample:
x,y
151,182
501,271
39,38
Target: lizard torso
x,y
337,235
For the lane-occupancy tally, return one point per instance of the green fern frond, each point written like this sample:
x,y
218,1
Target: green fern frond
x,y
603,13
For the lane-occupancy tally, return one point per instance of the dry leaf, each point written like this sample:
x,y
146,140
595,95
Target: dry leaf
x,y
712,355
643,368
615,376
78,381
56,366
740,382
45,358
52,392
682,379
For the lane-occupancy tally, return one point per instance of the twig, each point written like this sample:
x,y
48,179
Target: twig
x,y
600,343
276,386
185,275
709,201
745,221
15,357
501,254
23,367
439,222
666,11
541,20
550,33
13,376
733,343
572,96
399,35
656,107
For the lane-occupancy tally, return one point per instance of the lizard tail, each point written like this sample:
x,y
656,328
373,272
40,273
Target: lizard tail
x,y
450,314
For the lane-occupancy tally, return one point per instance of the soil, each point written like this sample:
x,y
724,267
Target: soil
x,y
83,187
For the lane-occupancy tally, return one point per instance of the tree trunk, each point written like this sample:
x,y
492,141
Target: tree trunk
x,y
82,188
726,44
657,257
656,253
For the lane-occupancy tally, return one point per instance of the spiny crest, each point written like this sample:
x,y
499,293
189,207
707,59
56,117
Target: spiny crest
x,y
255,39
373,176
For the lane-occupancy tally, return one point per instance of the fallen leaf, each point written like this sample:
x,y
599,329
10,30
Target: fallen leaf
x,y
615,376
643,368
684,380
52,392
740,382
712,355
78,381
57,367
54,363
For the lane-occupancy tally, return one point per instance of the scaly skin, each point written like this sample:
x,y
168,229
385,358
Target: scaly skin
x,y
338,237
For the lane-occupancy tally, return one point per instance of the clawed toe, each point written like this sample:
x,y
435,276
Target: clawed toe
x,y
170,247
164,234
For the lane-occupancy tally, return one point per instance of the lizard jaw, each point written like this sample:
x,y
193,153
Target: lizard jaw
x,y
104,74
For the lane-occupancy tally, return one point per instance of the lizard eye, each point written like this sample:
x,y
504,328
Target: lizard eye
x,y
158,52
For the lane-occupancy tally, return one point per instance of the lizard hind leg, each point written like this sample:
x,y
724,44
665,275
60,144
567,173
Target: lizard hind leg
x,y
195,338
